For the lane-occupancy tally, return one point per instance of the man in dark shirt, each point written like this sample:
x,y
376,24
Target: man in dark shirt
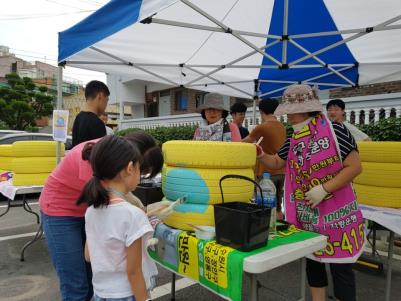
x,y
87,124
238,111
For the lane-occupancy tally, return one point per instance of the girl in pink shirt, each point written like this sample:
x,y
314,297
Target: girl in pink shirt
x,y
64,222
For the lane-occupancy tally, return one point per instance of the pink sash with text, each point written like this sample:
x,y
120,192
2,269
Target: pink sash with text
x,y
314,159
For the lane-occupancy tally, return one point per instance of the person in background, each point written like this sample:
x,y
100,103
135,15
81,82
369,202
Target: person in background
x,y
321,160
63,221
116,231
274,136
87,125
104,117
238,111
215,126
336,113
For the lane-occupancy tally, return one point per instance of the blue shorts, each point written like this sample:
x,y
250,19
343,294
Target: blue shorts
x,y
96,298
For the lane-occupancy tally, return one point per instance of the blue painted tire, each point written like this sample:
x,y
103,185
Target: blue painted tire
x,y
196,214
201,186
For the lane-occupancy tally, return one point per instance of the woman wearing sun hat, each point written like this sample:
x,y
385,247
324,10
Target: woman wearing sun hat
x,y
321,160
215,127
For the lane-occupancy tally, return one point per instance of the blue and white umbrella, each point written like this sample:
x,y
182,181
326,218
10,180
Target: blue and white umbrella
x,y
240,47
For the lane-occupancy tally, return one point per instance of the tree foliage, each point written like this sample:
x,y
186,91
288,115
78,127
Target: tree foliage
x,y
22,103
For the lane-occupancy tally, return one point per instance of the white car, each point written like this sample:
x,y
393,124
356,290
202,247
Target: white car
x,y
8,132
25,136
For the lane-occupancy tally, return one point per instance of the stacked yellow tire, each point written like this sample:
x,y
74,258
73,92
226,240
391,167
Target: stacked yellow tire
x,y
6,157
194,169
379,184
30,162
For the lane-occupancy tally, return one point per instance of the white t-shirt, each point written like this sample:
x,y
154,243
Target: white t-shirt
x,y
357,133
109,230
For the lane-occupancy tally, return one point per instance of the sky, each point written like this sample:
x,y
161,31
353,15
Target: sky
x,y
30,28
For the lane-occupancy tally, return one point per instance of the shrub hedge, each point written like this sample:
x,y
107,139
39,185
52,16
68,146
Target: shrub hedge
x,y
384,130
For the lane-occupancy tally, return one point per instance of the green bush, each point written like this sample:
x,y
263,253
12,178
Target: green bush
x,y
288,129
384,130
163,134
3,125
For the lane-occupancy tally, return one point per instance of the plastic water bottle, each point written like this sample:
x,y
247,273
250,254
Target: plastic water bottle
x,y
268,199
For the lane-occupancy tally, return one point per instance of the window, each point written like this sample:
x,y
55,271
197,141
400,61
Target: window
x,y
181,100
14,67
200,99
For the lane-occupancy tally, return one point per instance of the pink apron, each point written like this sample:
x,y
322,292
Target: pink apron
x,y
313,159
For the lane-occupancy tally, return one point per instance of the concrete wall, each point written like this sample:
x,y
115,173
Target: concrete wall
x,y
6,62
130,91
138,111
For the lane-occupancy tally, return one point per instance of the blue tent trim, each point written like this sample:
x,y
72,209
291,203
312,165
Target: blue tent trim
x,y
305,17
111,18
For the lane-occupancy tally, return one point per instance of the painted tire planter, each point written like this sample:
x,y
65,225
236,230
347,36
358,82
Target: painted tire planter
x,y
380,151
380,174
190,213
5,163
29,179
201,186
35,149
32,165
209,154
6,150
378,196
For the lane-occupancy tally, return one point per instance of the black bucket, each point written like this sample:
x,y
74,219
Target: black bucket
x,y
242,226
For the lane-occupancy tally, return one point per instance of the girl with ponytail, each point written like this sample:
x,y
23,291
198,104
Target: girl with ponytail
x,y
64,221
115,229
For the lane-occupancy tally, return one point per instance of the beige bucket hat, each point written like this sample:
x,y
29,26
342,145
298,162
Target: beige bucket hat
x,y
299,99
213,101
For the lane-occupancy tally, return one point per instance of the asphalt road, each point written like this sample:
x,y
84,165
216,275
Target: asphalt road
x,y
36,280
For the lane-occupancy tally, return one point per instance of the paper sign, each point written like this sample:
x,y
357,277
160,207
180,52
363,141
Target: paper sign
x,y
60,125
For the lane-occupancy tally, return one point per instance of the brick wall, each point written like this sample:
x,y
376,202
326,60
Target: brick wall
x,y
381,88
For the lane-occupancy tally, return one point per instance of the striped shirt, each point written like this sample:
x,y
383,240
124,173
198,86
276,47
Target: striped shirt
x,y
346,142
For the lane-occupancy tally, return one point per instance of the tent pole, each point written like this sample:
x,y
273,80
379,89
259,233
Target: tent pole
x,y
220,82
322,63
353,37
121,117
70,63
229,30
285,34
232,62
305,81
341,32
121,105
59,106
255,98
133,65
213,29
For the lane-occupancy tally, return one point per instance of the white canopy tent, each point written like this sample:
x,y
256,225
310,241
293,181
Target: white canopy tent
x,y
246,48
